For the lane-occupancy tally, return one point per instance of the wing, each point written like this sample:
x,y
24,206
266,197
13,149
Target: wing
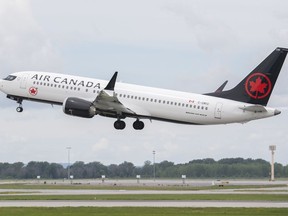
x,y
108,104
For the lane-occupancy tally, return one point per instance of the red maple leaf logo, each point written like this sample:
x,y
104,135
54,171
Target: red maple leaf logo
x,y
33,91
258,86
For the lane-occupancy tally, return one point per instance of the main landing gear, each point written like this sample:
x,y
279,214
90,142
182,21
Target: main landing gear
x,y
19,108
138,125
120,125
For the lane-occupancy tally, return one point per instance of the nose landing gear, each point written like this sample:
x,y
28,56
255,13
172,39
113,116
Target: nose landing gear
x,y
19,108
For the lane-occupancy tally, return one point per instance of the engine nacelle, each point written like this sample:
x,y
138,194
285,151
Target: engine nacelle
x,y
78,107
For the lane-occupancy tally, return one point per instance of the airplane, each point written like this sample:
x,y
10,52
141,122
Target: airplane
x,y
86,97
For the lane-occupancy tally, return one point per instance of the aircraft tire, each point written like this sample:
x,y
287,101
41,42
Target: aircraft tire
x,y
119,125
138,125
19,109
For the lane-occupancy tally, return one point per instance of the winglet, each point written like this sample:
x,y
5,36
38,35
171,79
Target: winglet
x,y
111,84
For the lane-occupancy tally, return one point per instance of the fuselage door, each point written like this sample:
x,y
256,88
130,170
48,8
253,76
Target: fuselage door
x,y
218,111
23,81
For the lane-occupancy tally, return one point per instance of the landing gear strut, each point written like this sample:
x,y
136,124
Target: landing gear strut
x,y
19,108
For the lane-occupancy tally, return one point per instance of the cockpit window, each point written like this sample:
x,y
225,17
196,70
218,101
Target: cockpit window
x,y
10,78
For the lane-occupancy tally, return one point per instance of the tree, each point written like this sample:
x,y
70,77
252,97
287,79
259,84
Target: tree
x,y
126,169
147,169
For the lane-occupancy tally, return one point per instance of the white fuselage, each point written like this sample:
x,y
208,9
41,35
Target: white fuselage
x,y
146,102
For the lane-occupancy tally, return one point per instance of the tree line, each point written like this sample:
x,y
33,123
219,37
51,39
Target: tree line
x,y
202,168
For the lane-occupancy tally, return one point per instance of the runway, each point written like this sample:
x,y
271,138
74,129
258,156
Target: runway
x,y
186,204
281,189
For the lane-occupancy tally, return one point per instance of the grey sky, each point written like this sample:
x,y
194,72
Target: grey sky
x,y
184,45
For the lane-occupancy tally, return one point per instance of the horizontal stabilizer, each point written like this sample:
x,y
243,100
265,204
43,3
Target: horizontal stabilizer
x,y
254,108
220,89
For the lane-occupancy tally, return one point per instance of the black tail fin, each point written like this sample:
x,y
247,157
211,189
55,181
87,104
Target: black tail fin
x,y
257,86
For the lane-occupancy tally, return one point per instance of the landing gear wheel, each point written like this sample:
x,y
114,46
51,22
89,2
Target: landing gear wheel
x,y
138,125
19,109
119,125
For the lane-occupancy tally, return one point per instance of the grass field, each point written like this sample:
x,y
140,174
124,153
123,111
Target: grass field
x,y
139,211
137,187
142,211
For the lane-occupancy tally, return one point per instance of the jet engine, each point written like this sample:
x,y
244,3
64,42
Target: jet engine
x,y
78,107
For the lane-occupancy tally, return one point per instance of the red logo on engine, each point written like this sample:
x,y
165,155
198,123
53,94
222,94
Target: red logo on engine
x,y
33,91
258,86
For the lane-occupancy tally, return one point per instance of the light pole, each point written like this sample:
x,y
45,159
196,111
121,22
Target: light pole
x,y
154,169
272,148
68,175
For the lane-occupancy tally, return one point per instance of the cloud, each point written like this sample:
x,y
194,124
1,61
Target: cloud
x,y
183,45
102,144
23,44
